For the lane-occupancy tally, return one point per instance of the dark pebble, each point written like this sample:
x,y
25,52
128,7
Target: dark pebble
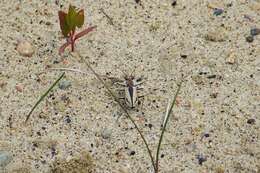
x,y
201,159
250,39
132,153
214,95
35,145
56,62
162,155
184,56
150,126
251,121
218,11
174,2
67,119
212,76
53,151
255,31
206,135
229,4
202,73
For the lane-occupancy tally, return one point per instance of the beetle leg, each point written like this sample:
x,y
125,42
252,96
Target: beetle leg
x,y
139,83
120,83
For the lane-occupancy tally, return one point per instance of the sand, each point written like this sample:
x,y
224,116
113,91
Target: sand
x,y
215,126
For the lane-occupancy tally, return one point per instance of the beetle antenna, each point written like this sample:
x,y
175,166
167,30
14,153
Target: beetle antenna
x,y
132,72
122,72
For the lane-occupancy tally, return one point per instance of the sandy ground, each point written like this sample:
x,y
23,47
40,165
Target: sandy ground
x,y
217,117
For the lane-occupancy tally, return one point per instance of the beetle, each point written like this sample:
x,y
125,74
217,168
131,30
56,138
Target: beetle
x,y
131,88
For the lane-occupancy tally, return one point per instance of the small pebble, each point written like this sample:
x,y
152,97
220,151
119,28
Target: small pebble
x,y
201,159
106,133
206,135
25,48
255,6
67,119
217,35
131,153
211,76
251,121
250,39
53,152
220,170
231,58
64,84
48,23
19,87
3,84
218,11
229,4
214,95
5,158
184,56
174,2
254,31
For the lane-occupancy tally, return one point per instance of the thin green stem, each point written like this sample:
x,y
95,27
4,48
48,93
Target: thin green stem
x,y
123,108
167,116
43,96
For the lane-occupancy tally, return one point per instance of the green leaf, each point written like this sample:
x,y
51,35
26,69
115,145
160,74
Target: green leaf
x,y
69,21
71,18
80,18
63,24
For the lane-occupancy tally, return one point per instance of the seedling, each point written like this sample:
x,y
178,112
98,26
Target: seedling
x,y
68,24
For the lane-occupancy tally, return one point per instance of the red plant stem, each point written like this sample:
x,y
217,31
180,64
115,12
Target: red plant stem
x,y
84,32
63,47
72,40
72,37
72,45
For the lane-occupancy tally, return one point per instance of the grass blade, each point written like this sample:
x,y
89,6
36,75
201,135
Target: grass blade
x,y
43,96
166,119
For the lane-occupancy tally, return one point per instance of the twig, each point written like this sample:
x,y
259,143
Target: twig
x,y
123,108
107,16
69,69
43,96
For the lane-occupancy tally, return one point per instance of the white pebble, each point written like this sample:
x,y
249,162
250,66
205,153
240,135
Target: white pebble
x,y
25,48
